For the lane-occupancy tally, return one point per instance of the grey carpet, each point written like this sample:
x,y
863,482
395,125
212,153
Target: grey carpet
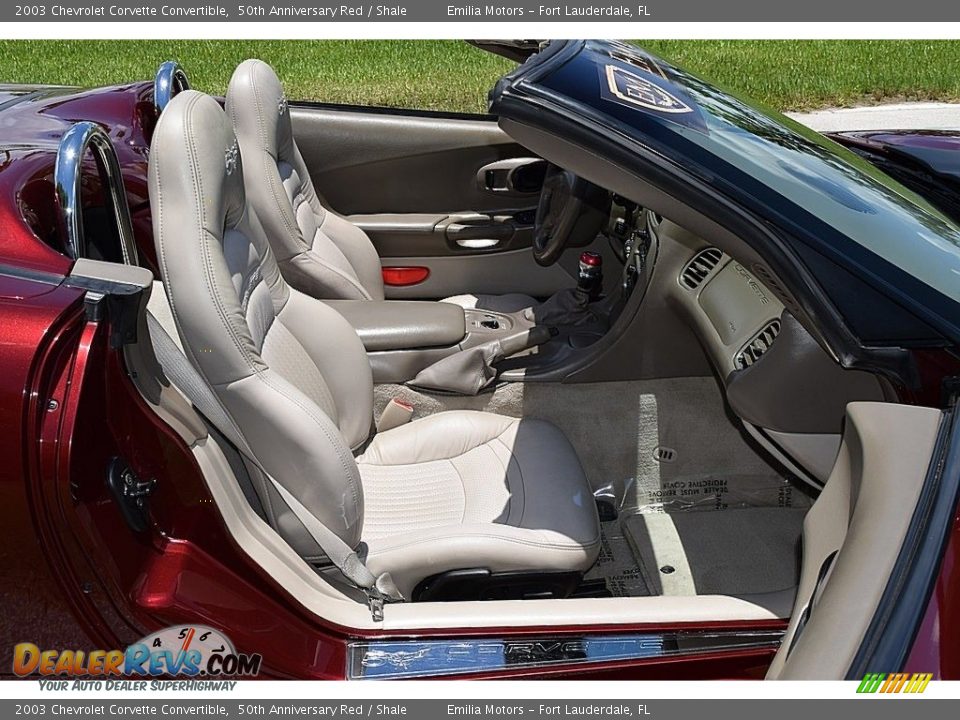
x,y
616,429
734,552
616,564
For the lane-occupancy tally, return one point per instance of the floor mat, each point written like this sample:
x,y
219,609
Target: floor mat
x,y
735,552
616,565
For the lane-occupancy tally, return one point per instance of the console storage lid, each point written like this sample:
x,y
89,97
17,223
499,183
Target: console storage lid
x,y
401,324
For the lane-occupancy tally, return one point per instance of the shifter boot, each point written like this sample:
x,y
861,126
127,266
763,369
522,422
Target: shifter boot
x,y
566,308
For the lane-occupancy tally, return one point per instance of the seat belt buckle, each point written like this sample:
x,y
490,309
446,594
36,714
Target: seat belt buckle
x,y
384,590
375,601
397,412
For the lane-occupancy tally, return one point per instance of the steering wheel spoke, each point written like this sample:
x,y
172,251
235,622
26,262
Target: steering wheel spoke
x,y
571,211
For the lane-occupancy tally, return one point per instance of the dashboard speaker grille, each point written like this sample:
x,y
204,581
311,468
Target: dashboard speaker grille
x,y
760,343
767,278
695,271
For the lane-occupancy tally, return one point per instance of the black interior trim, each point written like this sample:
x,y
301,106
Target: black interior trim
x,y
481,584
384,110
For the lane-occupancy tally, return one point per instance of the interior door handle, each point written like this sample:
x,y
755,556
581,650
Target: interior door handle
x,y
479,232
513,176
477,243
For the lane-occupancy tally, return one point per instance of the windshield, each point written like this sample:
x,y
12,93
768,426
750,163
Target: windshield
x,y
814,187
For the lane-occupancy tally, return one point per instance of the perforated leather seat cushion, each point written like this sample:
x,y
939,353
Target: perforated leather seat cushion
x,y
470,489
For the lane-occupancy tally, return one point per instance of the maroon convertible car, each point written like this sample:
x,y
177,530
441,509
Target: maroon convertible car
x,y
628,378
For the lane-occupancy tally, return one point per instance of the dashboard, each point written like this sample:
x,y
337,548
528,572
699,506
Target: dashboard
x,y
787,391
738,318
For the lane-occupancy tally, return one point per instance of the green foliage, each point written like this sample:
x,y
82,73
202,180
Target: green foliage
x,y
451,75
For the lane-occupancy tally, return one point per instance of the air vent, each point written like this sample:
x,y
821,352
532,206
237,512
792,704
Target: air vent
x,y
761,342
697,269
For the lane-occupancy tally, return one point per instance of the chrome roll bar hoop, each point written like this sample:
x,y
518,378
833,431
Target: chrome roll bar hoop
x,y
170,80
67,171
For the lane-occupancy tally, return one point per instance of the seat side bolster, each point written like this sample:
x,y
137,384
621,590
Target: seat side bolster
x,y
301,448
338,352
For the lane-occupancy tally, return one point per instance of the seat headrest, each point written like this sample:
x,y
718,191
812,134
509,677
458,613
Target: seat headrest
x,y
259,109
194,132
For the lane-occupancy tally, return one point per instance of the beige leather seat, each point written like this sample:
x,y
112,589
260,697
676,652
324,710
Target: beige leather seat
x,y
451,491
319,252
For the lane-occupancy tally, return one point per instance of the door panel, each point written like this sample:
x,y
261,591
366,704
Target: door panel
x,y
380,162
452,194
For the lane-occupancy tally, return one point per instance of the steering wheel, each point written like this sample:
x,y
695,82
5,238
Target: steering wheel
x,y
572,211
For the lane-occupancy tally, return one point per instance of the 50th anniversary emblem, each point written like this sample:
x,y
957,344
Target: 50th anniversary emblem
x,y
181,657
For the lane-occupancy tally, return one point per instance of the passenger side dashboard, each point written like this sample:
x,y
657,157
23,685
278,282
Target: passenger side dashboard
x,y
790,394
736,317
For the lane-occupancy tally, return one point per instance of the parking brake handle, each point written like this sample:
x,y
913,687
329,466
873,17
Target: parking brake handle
x,y
525,339
473,369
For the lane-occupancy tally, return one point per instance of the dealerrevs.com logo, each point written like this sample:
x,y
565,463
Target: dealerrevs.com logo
x,y
193,652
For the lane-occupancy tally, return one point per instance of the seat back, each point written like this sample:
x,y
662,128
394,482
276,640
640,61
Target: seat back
x,y
319,252
289,371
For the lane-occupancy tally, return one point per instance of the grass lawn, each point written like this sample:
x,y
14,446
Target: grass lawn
x,y
450,75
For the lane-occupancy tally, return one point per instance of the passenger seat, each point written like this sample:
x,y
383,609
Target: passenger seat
x,y
320,253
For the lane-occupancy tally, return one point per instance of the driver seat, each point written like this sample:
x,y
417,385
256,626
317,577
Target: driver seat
x,y
455,491
320,253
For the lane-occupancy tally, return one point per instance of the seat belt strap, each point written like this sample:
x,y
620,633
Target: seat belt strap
x,y
379,589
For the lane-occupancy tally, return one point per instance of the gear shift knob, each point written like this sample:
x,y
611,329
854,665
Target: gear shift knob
x,y
590,277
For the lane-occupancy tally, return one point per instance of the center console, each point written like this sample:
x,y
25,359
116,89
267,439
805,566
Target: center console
x,y
404,337
490,324
439,346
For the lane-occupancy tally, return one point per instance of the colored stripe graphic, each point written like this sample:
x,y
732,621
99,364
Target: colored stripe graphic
x,y
891,683
871,682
